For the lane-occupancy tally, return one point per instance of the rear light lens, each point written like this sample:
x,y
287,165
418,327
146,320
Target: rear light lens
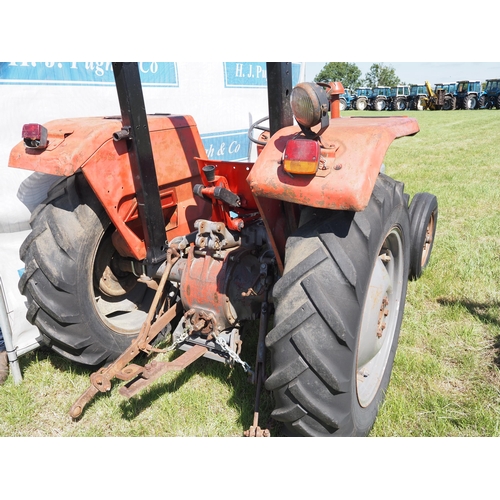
x,y
35,136
301,156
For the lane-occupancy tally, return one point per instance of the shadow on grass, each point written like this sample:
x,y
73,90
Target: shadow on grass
x,y
242,398
487,313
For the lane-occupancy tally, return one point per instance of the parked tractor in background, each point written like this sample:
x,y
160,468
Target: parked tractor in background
x,y
360,98
345,100
399,98
436,100
379,99
468,94
450,101
145,237
492,94
418,93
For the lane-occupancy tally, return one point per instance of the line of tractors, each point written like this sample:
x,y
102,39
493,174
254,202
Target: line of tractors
x,y
465,94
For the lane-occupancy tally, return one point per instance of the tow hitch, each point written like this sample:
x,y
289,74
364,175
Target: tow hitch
x,y
160,314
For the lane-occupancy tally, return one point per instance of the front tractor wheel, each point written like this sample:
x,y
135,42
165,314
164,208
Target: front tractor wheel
x,y
87,308
399,104
423,220
361,104
469,102
379,104
338,313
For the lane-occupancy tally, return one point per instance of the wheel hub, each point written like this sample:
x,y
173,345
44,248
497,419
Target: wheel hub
x,y
111,280
379,320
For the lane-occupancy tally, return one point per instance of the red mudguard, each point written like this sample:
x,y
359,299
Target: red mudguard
x,y
353,150
87,144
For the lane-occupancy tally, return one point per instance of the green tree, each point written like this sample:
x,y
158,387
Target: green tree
x,y
381,74
347,73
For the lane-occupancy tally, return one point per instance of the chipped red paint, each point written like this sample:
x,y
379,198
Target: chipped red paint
x,y
353,150
87,144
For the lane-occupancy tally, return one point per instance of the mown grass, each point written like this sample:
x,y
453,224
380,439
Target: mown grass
x,y
446,376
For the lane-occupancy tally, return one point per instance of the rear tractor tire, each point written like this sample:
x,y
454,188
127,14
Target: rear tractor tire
x,y
423,221
85,307
338,313
448,104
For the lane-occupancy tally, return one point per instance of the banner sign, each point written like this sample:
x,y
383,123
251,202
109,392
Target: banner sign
x,y
252,74
228,146
153,74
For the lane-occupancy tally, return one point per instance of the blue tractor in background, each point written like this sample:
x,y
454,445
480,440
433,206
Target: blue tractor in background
x,y
346,99
399,98
491,95
468,94
418,94
360,98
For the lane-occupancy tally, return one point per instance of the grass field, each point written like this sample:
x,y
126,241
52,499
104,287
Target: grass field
x,y
446,377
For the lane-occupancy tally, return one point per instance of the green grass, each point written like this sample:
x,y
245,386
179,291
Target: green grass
x,y
446,376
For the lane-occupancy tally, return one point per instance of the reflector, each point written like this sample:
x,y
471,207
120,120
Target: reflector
x,y
35,136
301,156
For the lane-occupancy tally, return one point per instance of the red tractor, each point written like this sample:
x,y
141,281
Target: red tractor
x,y
145,237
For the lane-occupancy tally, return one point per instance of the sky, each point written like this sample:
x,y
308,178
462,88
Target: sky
x,y
419,72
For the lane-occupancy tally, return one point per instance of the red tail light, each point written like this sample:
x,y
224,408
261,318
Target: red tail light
x,y
35,136
301,156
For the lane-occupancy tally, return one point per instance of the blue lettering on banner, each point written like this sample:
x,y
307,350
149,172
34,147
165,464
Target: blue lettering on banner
x,y
153,74
228,146
252,74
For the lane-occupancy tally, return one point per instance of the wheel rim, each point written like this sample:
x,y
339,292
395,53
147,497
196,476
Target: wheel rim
x,y
361,105
121,302
380,318
429,237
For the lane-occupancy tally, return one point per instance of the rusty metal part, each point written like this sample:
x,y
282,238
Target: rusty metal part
x,y
201,321
220,286
384,312
101,380
256,431
259,376
429,236
154,370
113,280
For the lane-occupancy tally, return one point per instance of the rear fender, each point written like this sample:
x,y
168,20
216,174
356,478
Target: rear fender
x,y
86,144
353,149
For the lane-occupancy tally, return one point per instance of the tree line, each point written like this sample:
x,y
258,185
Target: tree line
x,y
349,74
